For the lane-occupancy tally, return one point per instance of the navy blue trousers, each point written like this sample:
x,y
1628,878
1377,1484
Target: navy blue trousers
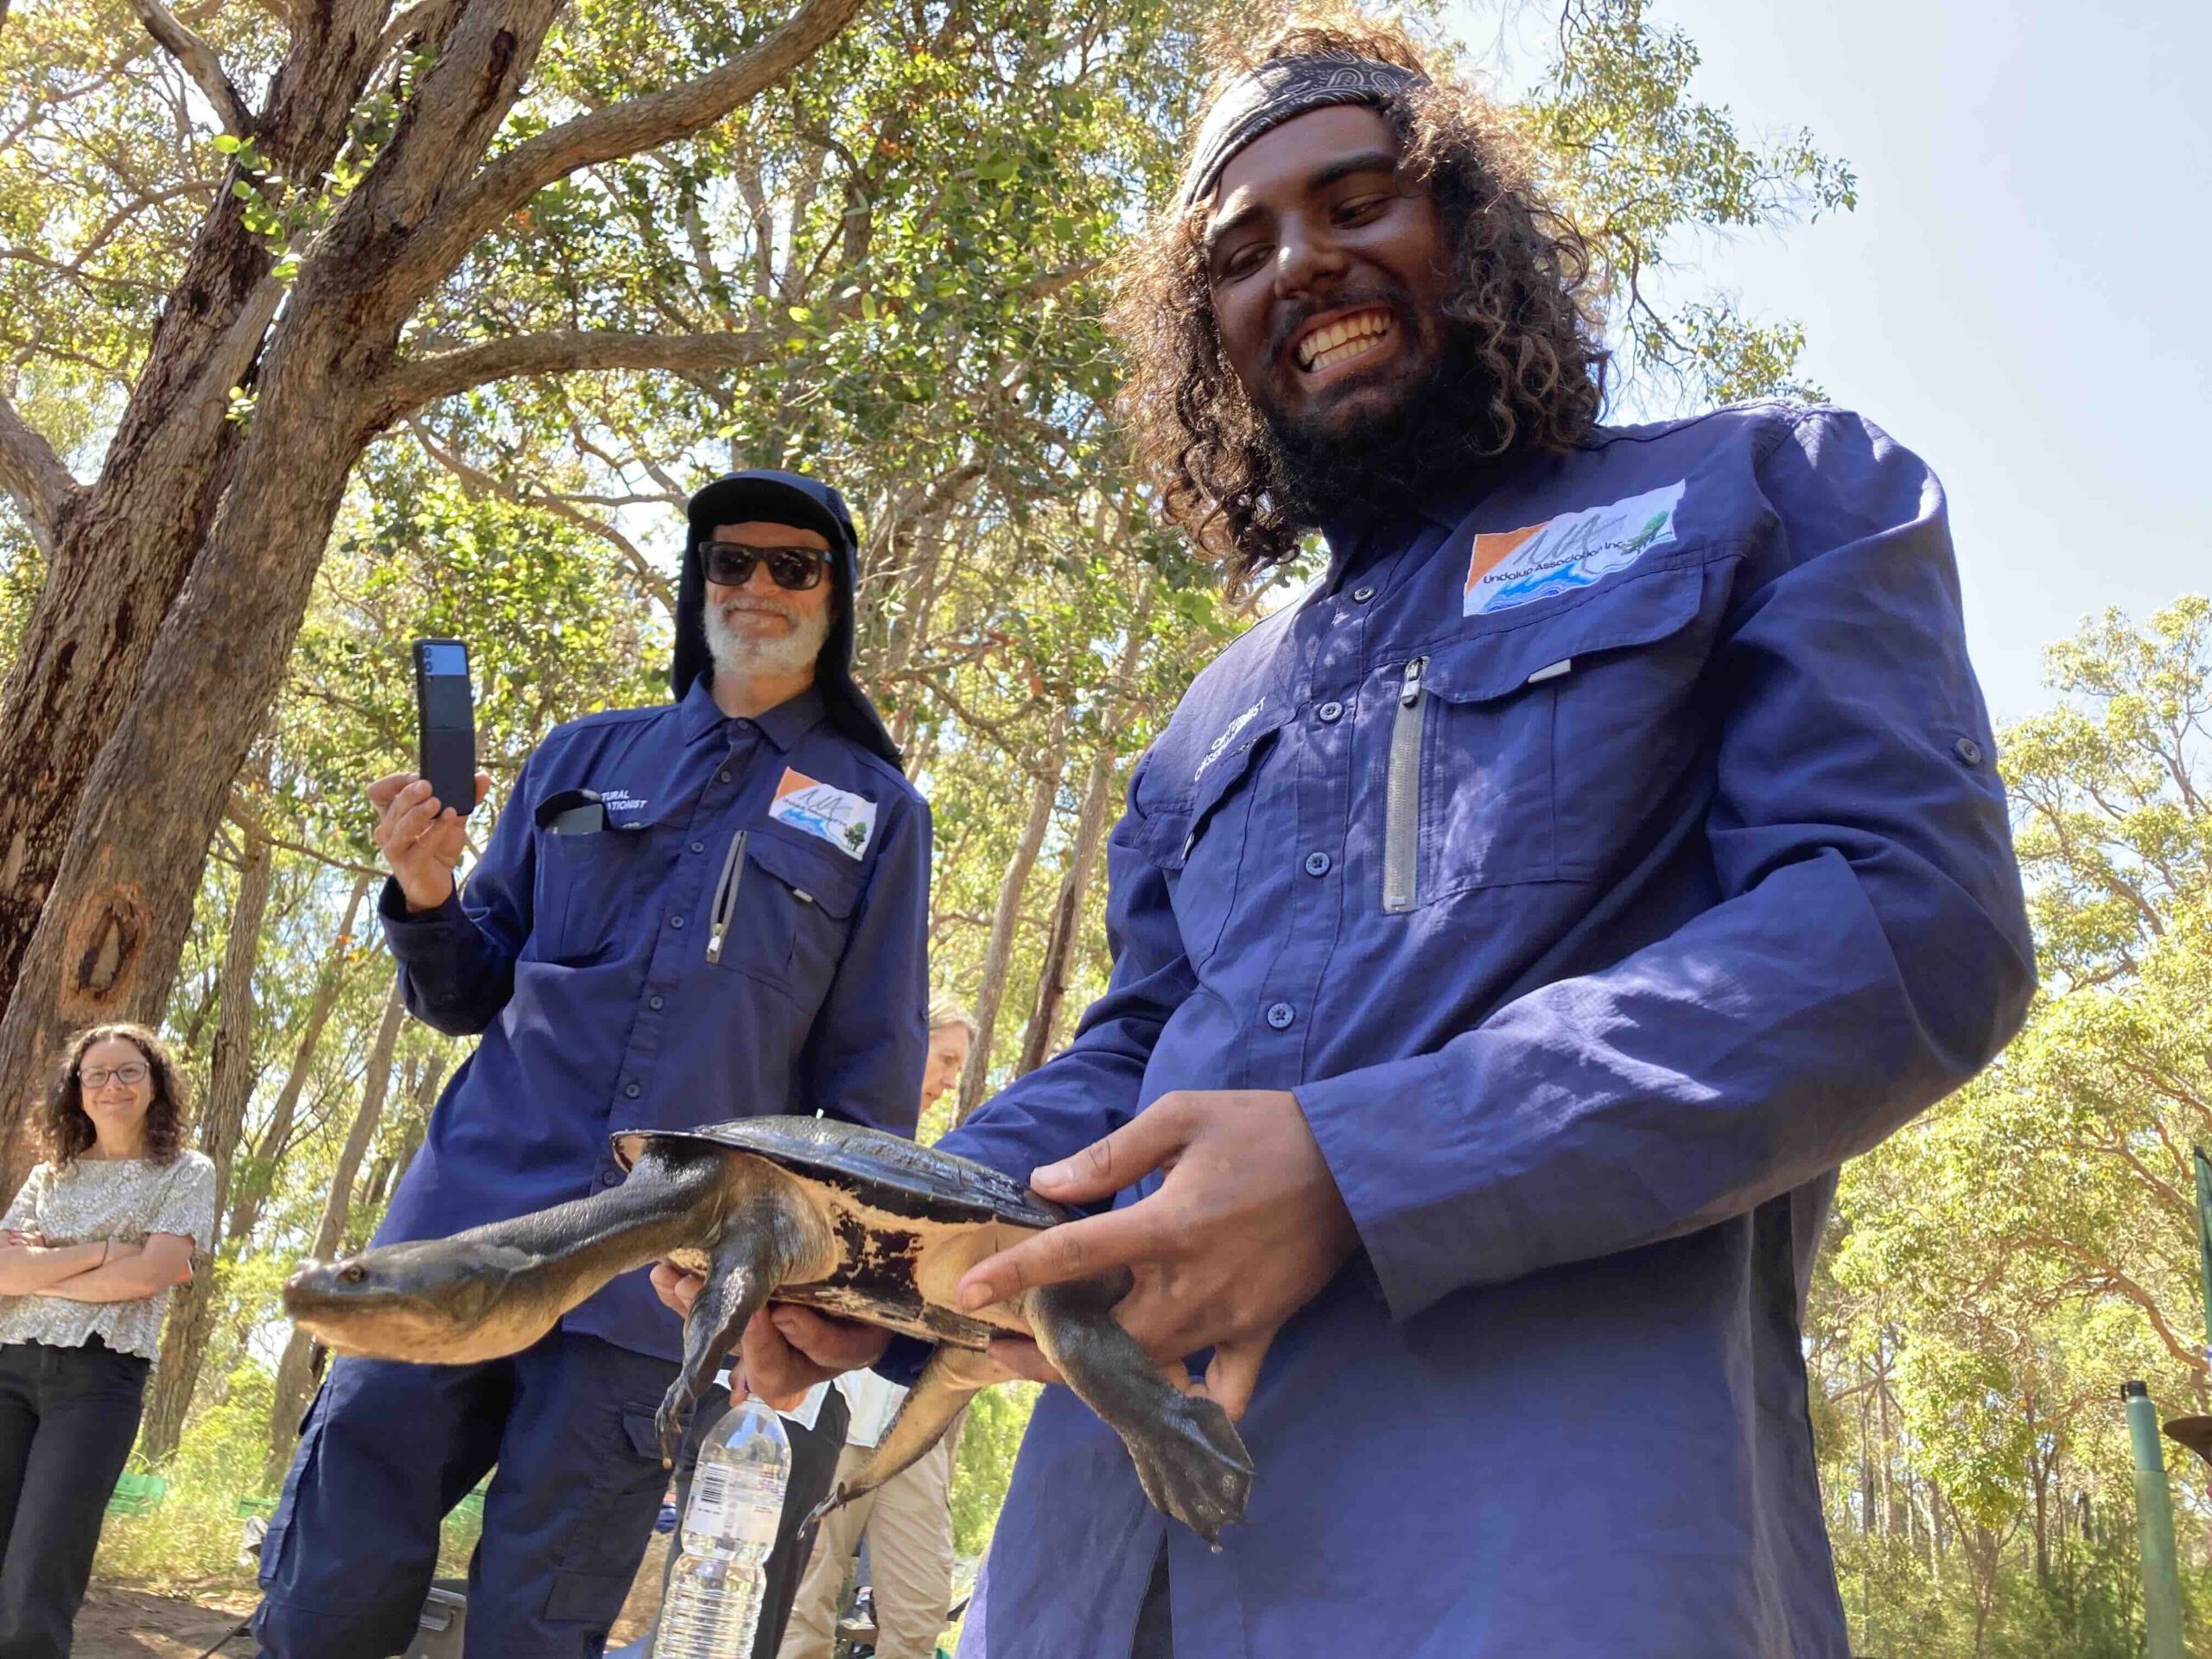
x,y
387,1449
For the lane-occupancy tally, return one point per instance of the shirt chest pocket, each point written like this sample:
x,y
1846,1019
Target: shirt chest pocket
x,y
783,913
1196,829
585,892
1522,754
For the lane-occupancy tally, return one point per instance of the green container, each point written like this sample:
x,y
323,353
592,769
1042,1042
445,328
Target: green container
x,y
138,1494
2154,1516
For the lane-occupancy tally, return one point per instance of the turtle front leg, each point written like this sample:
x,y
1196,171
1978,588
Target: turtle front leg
x,y
771,1236
745,1269
947,1382
1190,1458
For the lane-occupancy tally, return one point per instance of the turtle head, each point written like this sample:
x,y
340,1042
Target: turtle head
x,y
447,1301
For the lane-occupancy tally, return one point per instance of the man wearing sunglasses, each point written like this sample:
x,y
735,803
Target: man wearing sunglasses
x,y
711,909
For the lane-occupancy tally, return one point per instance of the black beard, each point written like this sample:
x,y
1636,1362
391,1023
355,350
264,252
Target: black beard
x,y
1439,436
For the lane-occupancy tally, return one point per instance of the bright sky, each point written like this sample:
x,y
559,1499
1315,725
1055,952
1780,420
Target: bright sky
x,y
2017,296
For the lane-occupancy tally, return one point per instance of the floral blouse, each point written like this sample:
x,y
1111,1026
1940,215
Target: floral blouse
x,y
122,1199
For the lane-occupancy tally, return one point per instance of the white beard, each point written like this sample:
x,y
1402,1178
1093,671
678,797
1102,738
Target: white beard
x,y
748,654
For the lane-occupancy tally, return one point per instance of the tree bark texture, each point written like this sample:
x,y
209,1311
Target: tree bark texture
x,y
231,1077
990,993
293,1374
121,724
250,1187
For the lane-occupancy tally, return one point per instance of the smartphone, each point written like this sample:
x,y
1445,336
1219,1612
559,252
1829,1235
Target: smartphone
x,y
445,722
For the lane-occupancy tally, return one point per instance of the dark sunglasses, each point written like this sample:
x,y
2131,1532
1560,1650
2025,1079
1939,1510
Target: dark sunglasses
x,y
730,563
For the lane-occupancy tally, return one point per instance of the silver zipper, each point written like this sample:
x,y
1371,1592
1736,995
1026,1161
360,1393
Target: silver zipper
x,y
1402,794
724,896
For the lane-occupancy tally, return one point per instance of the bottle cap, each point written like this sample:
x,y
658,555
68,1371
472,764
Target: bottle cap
x,y
2134,1390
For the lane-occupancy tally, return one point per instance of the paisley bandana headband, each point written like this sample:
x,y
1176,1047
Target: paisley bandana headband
x,y
1276,91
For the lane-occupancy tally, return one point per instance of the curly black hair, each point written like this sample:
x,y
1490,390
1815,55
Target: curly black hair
x,y
1521,298
67,1129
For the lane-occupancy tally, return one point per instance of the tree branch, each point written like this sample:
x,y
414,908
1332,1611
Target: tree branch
x,y
198,60
409,385
475,478
624,129
34,475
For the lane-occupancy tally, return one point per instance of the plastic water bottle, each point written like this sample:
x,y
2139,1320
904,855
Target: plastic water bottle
x,y
716,1587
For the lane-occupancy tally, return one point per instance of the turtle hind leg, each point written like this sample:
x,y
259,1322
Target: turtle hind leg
x,y
947,1382
1190,1458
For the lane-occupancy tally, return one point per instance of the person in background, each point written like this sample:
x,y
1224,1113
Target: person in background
x,y
711,909
89,1250
908,1520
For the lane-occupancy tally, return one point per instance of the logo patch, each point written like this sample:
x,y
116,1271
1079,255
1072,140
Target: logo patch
x,y
622,800
1220,745
846,821
1519,567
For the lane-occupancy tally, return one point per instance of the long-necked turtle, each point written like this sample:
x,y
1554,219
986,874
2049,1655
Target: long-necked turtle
x,y
850,1220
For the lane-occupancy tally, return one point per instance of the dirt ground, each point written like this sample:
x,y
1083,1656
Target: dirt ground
x,y
120,1624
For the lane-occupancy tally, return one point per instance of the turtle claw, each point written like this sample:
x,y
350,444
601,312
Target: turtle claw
x,y
1195,1468
673,1419
836,1500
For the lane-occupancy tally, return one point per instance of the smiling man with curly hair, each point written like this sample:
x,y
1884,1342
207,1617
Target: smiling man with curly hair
x,y
1512,936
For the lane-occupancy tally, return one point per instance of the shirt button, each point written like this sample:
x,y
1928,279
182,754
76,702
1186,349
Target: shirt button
x,y
1330,711
610,1177
1968,751
698,845
1280,1014
1361,595
722,777
1317,863
634,1090
676,921
657,1003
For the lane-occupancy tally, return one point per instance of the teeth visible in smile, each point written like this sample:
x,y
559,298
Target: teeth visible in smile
x,y
1347,337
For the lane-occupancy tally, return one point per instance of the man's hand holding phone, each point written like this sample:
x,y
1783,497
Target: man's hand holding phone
x,y
419,836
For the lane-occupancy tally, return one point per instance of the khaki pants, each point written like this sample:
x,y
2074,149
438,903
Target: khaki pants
x,y
908,1520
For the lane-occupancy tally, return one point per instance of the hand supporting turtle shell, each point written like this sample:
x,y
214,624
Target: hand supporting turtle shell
x,y
1246,1228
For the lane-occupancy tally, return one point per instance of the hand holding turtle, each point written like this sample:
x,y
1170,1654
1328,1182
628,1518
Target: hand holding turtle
x,y
787,1349
1246,1230
419,836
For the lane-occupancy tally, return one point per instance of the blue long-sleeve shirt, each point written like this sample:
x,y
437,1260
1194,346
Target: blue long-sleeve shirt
x,y
584,962
1601,862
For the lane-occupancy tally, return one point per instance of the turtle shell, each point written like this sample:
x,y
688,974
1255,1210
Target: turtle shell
x,y
888,1171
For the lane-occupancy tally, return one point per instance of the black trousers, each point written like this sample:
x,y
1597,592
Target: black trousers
x,y
814,1466
67,1418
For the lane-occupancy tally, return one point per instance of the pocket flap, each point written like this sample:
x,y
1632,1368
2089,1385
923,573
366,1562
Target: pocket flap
x,y
1171,826
643,1431
1637,612
813,878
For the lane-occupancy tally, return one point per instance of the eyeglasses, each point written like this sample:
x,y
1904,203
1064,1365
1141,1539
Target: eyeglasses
x,y
130,1073
730,563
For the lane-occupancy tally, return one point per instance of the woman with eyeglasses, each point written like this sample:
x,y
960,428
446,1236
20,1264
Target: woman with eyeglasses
x,y
88,1252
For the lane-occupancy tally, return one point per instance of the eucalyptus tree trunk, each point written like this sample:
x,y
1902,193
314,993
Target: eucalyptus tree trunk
x,y
1044,793
250,1185
1090,830
293,1376
231,1075
177,580
377,1188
